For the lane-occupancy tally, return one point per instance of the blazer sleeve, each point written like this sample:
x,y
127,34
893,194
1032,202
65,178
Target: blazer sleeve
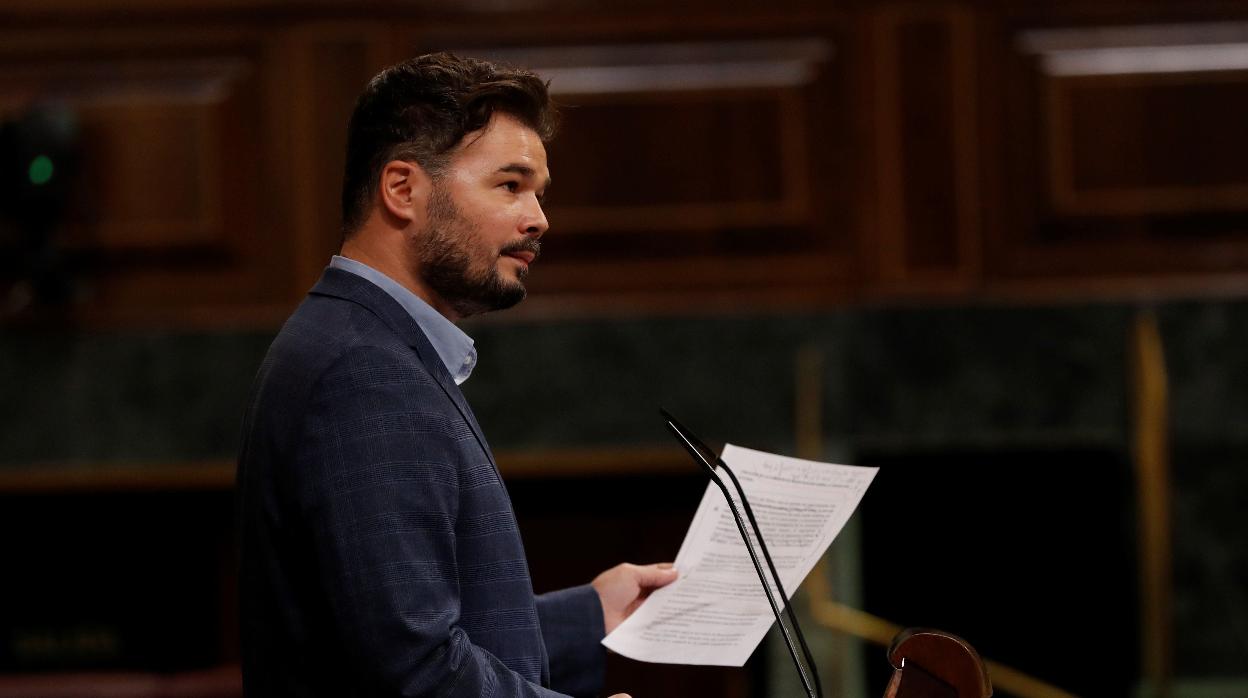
x,y
572,627
377,482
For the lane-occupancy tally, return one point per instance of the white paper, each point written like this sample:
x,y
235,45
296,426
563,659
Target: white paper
x,y
716,613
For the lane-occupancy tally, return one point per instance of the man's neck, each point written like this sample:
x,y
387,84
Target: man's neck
x,y
385,258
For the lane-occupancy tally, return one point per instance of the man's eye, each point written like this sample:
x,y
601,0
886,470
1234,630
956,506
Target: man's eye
x,y
511,186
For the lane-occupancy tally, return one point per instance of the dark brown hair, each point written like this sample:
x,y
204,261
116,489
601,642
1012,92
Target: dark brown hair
x,y
420,109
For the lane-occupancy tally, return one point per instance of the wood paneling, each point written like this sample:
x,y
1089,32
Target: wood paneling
x,y
754,156
1127,158
1146,130
927,200
680,163
174,213
153,136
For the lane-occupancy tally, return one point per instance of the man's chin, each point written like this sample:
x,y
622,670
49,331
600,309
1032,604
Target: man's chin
x,y
511,297
501,297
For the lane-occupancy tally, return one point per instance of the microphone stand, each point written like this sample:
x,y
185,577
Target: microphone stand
x,y
699,450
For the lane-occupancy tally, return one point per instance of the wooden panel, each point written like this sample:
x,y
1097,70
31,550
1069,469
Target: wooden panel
x,y
927,194
650,129
175,217
621,188
1181,90
152,139
1127,153
678,163
1193,127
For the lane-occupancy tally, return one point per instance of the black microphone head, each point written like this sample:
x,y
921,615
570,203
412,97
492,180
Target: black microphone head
x,y
693,451
682,431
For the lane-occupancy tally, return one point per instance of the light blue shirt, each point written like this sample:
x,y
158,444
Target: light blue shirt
x,y
455,348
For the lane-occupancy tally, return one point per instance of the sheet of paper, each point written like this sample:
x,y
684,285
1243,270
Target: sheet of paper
x,y
716,613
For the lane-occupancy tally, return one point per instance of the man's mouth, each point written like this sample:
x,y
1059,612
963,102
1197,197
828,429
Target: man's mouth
x,y
526,251
522,255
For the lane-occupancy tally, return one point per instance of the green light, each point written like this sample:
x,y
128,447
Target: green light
x,y
40,170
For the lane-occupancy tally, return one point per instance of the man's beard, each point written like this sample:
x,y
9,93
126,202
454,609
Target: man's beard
x,y
445,250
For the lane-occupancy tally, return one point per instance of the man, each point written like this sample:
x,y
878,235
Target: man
x,y
380,554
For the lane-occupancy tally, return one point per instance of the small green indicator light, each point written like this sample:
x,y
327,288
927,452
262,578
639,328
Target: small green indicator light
x,y
40,170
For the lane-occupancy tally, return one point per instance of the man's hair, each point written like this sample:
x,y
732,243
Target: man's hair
x,y
420,109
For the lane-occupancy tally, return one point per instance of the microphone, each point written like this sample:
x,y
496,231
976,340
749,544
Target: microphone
x,y
699,450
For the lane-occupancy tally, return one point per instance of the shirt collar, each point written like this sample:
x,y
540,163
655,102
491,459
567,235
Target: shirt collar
x,y
455,348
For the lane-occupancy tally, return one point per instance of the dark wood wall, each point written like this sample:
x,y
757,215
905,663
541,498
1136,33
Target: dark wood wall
x,y
729,155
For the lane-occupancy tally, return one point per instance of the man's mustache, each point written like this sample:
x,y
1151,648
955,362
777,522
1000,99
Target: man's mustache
x,y
532,245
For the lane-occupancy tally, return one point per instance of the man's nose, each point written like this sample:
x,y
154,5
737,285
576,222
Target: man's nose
x,y
535,222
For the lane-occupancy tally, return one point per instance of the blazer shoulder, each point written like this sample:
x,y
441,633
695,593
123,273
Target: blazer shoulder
x,y
327,327
326,334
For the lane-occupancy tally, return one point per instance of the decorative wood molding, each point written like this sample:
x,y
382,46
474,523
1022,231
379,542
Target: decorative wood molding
x,y
153,140
647,68
656,81
918,247
219,475
1118,67
1117,174
61,478
685,167
178,211
1150,422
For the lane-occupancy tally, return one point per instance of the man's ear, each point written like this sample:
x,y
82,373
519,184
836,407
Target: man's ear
x,y
405,188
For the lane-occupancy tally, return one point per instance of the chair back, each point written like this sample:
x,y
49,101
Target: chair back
x,y
934,664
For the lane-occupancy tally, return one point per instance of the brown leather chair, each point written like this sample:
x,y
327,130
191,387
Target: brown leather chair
x,y
934,664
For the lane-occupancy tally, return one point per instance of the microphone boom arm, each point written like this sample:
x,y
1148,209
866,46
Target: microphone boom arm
x,y
698,452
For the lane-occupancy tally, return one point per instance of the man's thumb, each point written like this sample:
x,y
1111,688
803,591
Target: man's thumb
x,y
658,575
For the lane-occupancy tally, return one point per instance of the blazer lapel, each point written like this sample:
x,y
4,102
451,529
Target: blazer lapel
x,y
348,286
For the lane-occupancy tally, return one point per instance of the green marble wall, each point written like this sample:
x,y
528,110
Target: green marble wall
x,y
123,397
1207,362
895,381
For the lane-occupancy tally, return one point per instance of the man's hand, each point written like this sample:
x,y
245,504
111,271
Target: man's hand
x,y
623,587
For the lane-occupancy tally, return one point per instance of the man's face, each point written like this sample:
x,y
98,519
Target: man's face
x,y
485,218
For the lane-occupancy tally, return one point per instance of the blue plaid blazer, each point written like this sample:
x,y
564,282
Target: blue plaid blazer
x,y
379,553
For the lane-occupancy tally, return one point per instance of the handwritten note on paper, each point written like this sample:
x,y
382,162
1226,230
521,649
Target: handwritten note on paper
x,y
717,613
